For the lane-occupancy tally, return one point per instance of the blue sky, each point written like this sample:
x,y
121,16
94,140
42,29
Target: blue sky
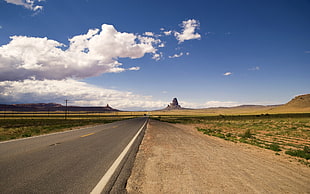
x,y
138,55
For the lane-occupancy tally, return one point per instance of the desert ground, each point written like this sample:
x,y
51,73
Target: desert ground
x,y
176,158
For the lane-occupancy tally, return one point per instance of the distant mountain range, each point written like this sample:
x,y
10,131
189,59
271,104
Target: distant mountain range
x,y
54,107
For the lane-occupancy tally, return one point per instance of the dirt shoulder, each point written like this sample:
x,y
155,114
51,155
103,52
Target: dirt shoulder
x,y
179,159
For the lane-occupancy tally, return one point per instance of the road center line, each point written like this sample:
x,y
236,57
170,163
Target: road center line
x,y
105,179
87,135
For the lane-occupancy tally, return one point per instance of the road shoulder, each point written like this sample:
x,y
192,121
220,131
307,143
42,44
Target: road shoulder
x,y
179,159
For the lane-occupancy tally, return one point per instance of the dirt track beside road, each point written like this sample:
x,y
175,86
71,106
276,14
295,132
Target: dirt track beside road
x,y
176,158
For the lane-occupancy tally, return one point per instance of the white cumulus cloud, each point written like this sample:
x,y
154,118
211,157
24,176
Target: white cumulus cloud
x,y
188,31
161,45
157,56
167,33
149,34
77,92
28,4
176,55
39,69
87,55
134,68
227,73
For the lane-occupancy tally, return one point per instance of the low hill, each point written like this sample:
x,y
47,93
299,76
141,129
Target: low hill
x,y
243,109
296,105
302,101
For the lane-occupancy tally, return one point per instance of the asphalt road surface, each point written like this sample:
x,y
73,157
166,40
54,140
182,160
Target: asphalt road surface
x,y
67,162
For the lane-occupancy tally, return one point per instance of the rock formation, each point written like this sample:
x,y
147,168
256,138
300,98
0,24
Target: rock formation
x,y
173,105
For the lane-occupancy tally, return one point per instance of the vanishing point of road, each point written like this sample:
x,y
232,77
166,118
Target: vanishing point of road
x,y
67,162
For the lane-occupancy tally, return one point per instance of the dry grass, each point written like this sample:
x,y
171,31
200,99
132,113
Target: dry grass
x,y
15,125
283,133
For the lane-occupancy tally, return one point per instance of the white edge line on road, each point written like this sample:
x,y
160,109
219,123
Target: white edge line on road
x,y
105,179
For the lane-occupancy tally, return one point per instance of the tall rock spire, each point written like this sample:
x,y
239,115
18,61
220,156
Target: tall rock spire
x,y
174,105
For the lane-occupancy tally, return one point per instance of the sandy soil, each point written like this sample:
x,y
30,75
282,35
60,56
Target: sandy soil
x,y
179,159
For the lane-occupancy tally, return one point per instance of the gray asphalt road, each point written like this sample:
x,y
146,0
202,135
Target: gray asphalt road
x,y
70,162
